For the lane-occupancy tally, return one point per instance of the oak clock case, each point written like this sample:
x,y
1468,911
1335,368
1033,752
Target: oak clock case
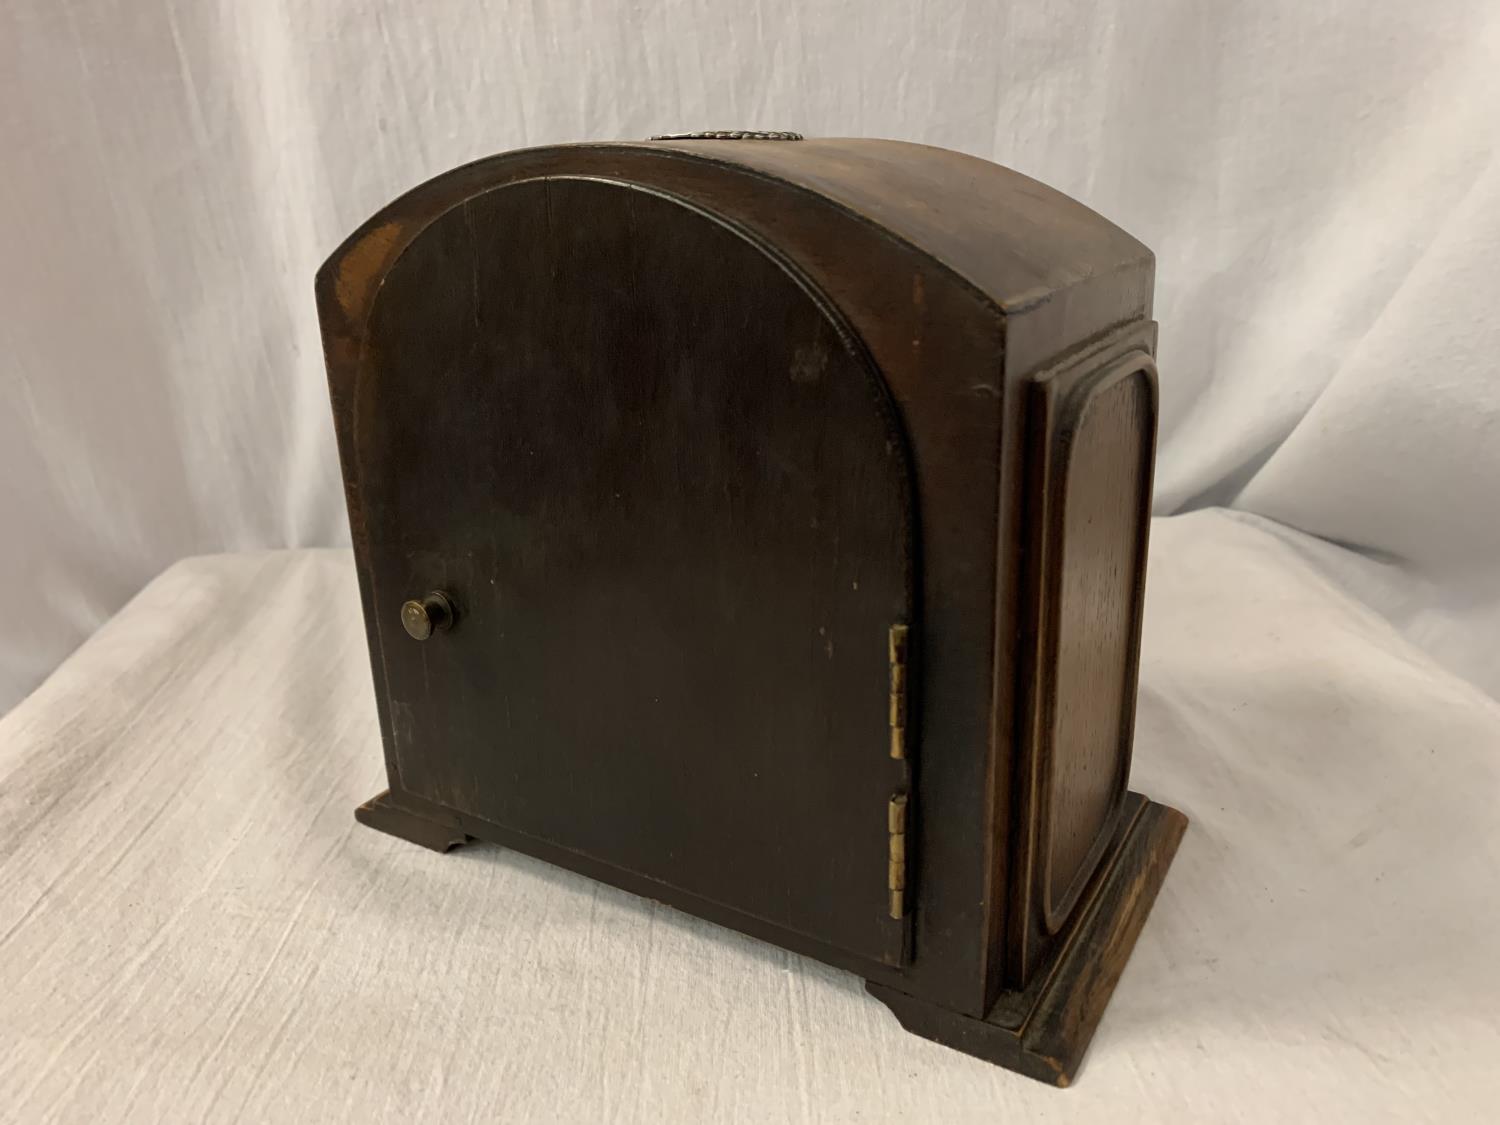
x,y
758,524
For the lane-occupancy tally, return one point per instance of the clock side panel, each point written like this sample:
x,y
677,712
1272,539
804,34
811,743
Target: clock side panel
x,y
1093,427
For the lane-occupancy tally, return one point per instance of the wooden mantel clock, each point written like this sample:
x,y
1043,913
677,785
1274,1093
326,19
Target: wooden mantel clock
x,y
759,524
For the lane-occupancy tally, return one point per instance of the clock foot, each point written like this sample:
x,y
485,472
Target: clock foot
x,y
1042,1031
379,812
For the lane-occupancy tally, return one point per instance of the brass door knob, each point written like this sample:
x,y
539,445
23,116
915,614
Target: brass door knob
x,y
422,617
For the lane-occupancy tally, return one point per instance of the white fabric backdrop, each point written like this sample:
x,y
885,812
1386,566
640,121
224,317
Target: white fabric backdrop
x,y
1319,181
192,929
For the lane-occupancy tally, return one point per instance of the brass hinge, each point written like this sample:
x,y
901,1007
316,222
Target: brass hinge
x,y
896,824
899,635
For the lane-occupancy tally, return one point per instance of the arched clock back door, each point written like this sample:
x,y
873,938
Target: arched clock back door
x,y
675,550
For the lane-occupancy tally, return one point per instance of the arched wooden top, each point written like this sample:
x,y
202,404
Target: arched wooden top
x,y
1014,241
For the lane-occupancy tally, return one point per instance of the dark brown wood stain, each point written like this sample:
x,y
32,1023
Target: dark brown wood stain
x,y
681,431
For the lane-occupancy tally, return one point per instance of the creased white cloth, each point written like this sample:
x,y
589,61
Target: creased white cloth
x,y
193,928
1318,180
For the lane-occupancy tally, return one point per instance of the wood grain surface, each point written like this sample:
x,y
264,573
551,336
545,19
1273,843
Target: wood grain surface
x,y
1104,479
666,490
677,432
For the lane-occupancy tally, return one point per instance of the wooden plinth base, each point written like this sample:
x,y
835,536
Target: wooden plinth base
x,y
1043,1031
